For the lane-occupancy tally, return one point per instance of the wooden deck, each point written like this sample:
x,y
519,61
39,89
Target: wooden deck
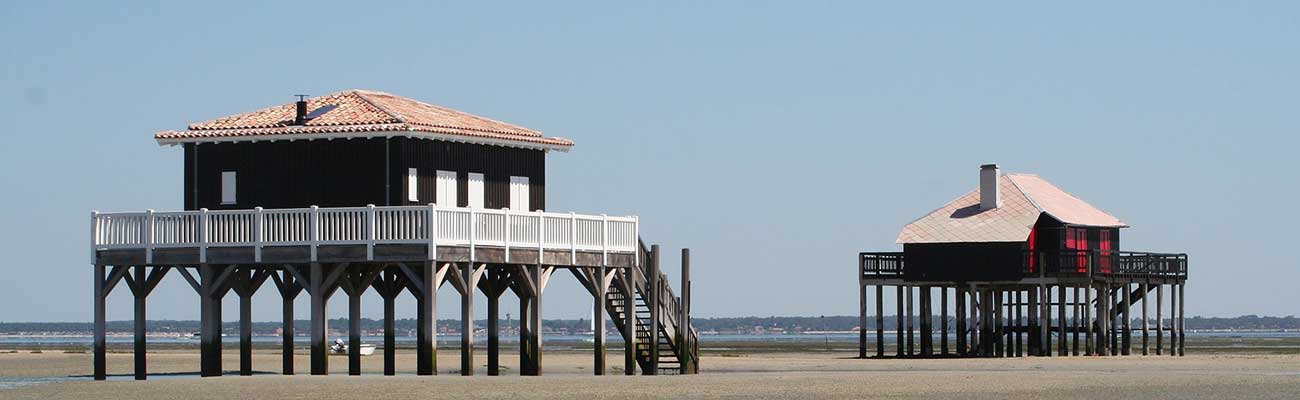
x,y
396,250
1060,300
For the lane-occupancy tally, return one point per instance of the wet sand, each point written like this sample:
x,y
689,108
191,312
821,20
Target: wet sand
x,y
748,375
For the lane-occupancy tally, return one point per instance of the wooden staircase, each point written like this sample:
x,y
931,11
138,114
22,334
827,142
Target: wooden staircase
x,y
677,350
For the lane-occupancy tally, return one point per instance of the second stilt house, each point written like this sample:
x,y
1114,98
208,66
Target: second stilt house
x,y
1031,269
364,190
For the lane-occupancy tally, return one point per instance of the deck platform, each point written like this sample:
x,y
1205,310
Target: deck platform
x,y
1058,297
396,250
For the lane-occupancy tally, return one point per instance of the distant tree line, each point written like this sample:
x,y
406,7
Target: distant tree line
x,y
722,325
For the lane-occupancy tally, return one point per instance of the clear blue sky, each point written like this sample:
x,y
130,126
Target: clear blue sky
x,y
775,140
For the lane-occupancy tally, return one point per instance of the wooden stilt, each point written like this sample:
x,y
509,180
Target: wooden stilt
x,y
1182,319
140,319
319,355
289,288
880,320
245,295
998,340
628,277
1087,320
959,297
911,325
862,319
426,281
598,318
1017,317
493,288
1146,291
1160,319
943,320
927,333
1074,321
655,301
1126,335
1063,349
391,288
100,340
899,318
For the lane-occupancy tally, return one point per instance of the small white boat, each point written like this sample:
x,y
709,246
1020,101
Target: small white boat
x,y
339,347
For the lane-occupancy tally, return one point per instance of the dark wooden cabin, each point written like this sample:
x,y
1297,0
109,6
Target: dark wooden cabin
x,y
1007,228
357,148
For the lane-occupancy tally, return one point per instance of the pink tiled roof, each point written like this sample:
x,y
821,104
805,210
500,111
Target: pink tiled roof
x,y
363,113
1024,198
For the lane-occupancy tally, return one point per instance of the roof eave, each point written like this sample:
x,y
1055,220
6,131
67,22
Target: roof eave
x,y
173,141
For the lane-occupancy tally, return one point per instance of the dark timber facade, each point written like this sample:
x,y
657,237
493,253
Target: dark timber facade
x,y
1034,272
361,190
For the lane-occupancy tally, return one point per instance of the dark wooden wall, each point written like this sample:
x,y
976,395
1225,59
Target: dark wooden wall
x,y
353,172
963,261
496,163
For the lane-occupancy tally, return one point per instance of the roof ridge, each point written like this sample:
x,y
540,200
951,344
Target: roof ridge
x,y
1026,194
361,94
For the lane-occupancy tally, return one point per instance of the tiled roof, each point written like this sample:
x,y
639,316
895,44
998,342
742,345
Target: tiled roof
x,y
363,113
1024,198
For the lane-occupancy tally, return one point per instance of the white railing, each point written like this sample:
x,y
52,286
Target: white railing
x,y
437,226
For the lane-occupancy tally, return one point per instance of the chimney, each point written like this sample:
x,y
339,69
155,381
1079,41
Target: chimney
x,y
990,196
300,117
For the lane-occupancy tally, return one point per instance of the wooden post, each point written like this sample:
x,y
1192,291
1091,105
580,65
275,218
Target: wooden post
x,y
210,324
880,320
533,341
655,303
1145,291
288,292
1064,349
598,317
1127,334
628,279
1045,346
862,319
911,326
1074,321
467,276
685,354
494,292
997,323
100,345
426,320
927,333
1160,320
1016,310
319,354
1112,331
389,294
354,326
1032,331
901,343
959,300
1087,319
943,320
141,275
245,322
525,335
1182,319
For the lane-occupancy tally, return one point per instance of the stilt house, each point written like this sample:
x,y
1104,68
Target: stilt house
x,y
364,190
1026,262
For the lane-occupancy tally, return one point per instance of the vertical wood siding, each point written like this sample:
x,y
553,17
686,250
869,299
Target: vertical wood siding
x,y
352,172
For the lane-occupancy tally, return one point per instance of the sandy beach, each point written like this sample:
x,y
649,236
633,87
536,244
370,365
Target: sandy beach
x,y
748,375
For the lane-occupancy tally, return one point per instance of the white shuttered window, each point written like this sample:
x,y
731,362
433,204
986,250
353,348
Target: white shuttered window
x,y
228,186
476,194
412,184
446,190
519,193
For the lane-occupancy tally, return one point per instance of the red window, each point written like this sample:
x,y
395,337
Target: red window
x,y
1106,245
1076,239
1033,244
